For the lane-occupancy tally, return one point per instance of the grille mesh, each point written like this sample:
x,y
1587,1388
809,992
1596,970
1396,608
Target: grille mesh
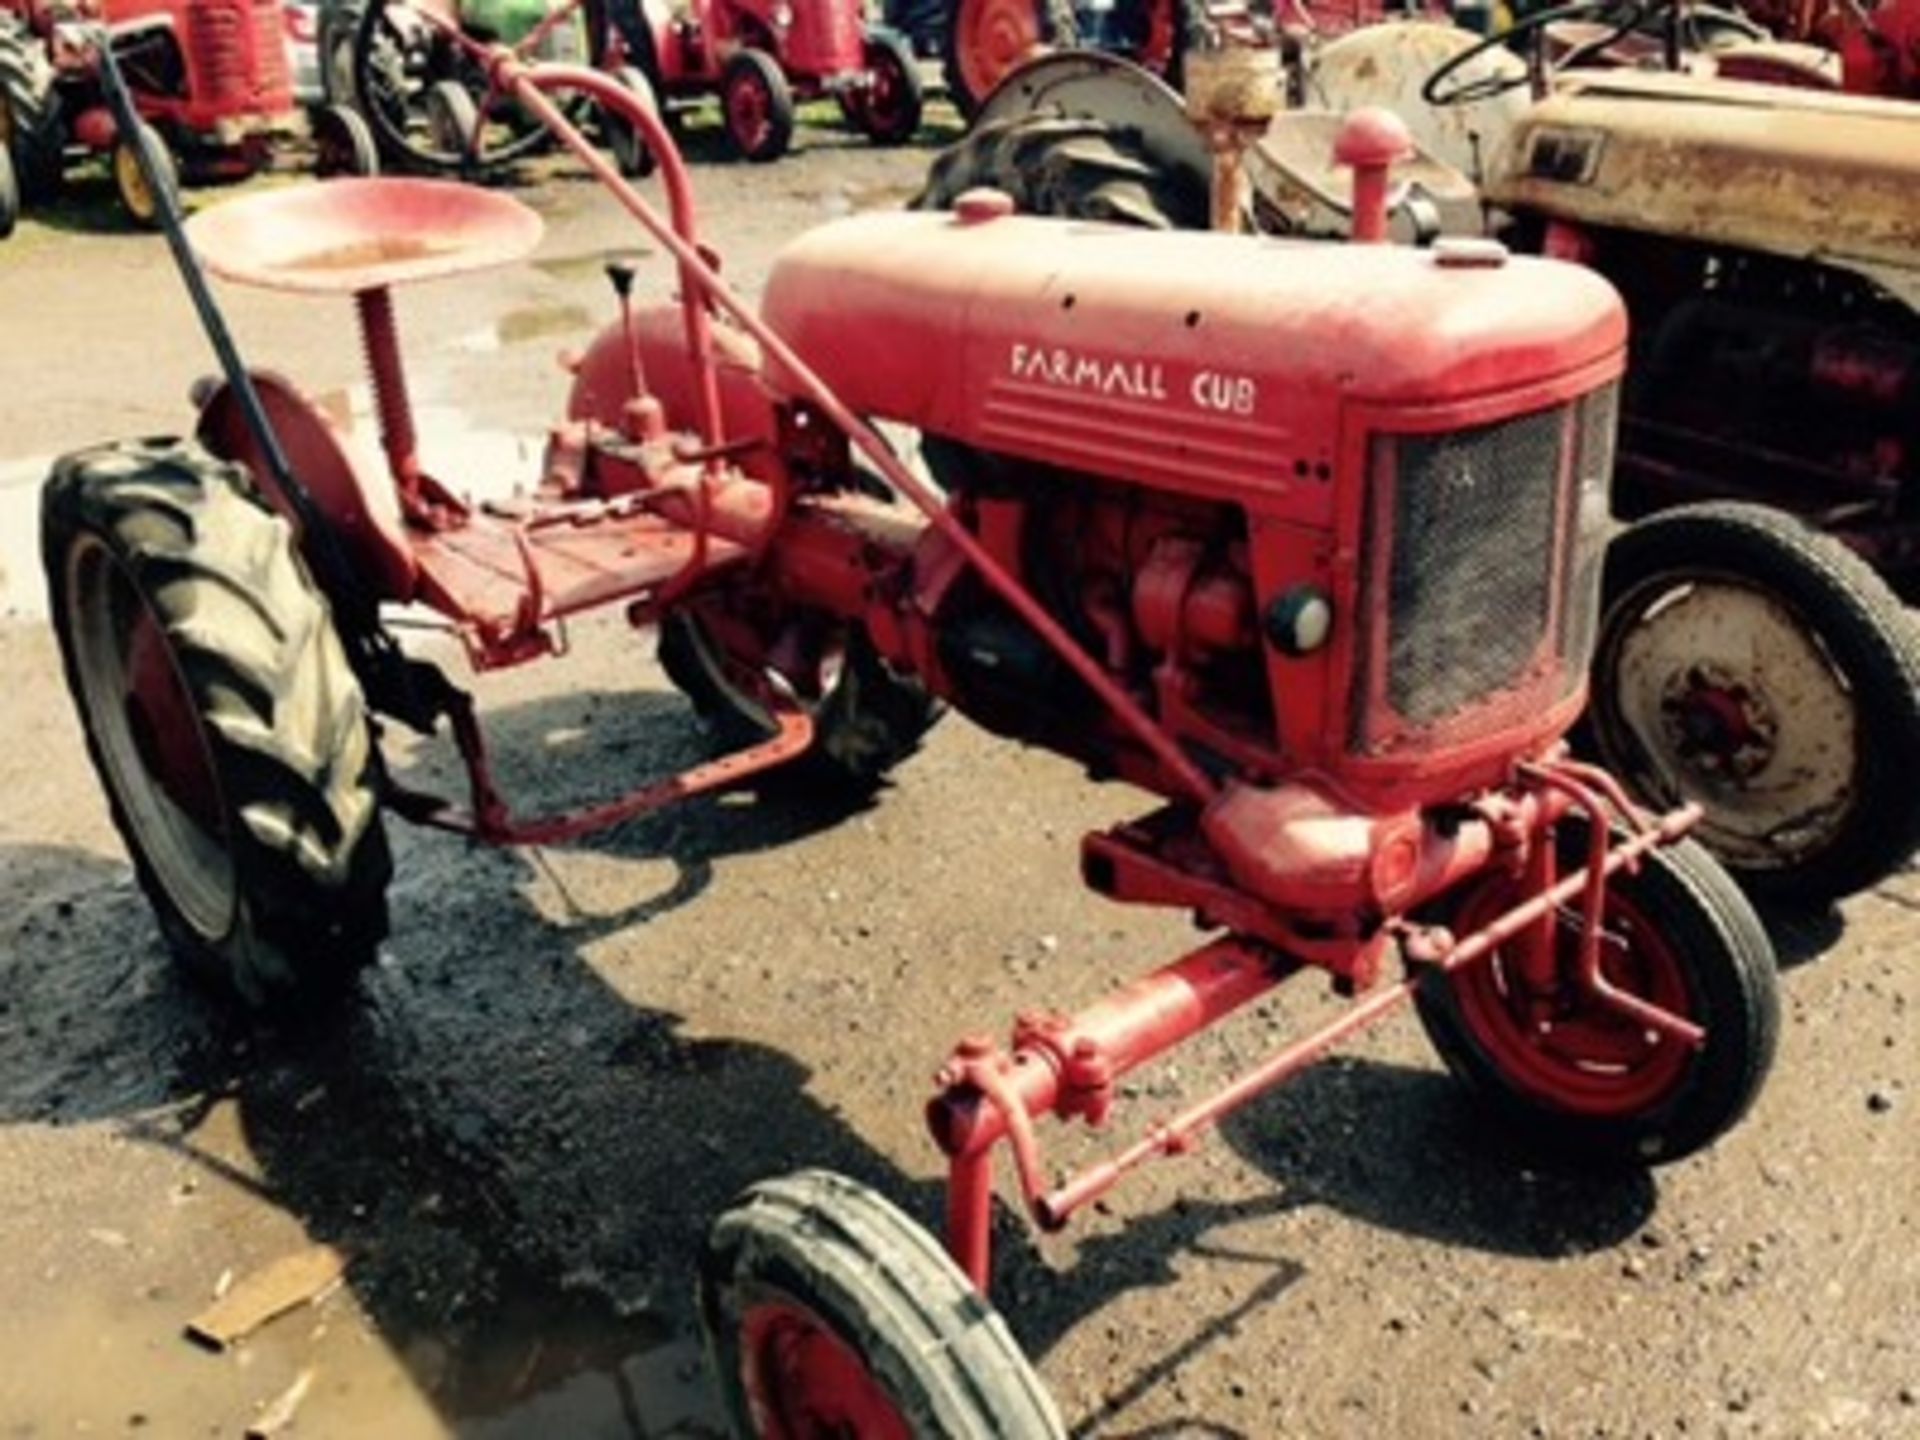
x,y
1475,617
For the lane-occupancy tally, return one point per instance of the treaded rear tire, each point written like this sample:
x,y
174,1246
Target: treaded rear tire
x,y
839,1255
198,556
1859,624
33,105
867,722
1064,166
1729,974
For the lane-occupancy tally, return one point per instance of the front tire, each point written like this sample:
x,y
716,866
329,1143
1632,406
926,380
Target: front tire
x,y
828,1312
631,153
1759,667
221,716
343,143
887,109
756,106
1582,1081
144,200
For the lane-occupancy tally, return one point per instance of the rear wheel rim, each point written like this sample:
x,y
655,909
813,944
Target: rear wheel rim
x,y
995,36
806,1383
1717,692
1564,1048
151,740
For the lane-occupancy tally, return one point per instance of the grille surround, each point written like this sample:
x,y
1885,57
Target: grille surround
x,y
1480,574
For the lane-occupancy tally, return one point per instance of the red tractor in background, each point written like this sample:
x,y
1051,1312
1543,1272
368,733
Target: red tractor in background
x,y
1302,540
209,79
423,90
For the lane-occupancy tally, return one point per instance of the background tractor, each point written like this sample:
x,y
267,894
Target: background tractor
x,y
1303,542
421,87
209,80
1754,654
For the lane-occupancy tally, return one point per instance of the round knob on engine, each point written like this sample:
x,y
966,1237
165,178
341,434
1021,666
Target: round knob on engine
x,y
1298,621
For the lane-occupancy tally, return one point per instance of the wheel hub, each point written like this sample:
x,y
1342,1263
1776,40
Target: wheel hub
x,y
806,1383
1719,723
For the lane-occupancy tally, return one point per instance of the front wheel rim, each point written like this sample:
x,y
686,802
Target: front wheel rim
x,y
1564,1048
135,193
1715,691
749,108
142,718
806,1383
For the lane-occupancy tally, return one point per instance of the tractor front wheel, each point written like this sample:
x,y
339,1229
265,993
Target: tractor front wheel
x,y
987,39
343,143
1752,664
757,106
1580,1078
887,108
141,197
828,1312
221,716
631,153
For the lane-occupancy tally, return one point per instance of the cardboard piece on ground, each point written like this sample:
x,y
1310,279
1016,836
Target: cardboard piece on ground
x,y
289,1281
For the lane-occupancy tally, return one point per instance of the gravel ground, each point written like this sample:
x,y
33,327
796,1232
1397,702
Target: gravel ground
x,y
569,1059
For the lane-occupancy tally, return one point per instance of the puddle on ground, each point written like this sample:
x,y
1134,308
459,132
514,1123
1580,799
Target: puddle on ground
x,y
580,267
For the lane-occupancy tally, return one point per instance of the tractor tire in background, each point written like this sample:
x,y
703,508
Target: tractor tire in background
x,y
1589,1084
222,718
887,110
630,151
1063,166
828,1312
453,120
986,39
866,718
142,200
756,106
1752,664
343,143
30,123
9,194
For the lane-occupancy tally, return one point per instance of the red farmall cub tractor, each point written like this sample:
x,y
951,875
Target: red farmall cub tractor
x,y
209,80
1302,539
760,57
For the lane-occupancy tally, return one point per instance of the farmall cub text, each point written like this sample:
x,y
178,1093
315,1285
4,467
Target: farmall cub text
x,y
1302,539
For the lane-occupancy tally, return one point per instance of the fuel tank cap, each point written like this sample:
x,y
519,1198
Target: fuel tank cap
x,y
1468,252
981,204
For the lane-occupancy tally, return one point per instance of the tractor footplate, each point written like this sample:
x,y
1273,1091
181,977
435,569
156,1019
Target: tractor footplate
x,y
505,577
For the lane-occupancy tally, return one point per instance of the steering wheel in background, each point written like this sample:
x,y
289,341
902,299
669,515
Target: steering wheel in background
x,y
1685,27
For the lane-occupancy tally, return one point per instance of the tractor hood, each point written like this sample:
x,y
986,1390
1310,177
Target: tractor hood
x,y
1799,173
1217,362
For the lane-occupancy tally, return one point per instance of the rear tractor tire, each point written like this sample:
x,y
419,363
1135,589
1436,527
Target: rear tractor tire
x,y
30,123
1582,1081
828,1312
9,194
1066,167
1752,664
222,718
866,718
987,39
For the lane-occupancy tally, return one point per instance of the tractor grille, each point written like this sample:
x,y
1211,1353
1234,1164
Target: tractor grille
x,y
1481,574
238,53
